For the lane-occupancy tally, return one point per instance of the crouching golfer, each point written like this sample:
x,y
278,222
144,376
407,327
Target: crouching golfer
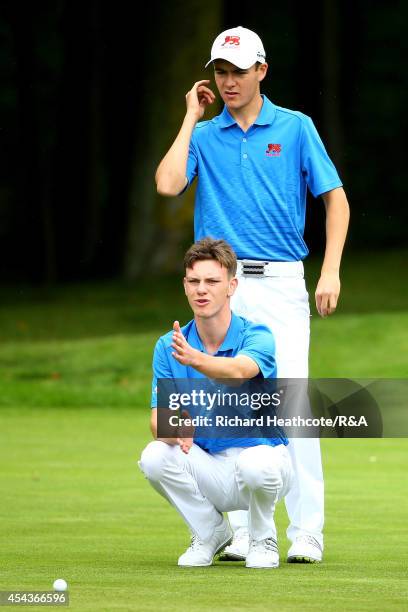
x,y
202,478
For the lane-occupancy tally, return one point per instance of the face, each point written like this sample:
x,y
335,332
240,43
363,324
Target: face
x,y
238,87
208,288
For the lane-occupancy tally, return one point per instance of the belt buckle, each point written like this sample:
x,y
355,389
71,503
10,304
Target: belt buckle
x,y
253,267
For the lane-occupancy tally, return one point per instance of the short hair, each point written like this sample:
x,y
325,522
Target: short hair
x,y
208,248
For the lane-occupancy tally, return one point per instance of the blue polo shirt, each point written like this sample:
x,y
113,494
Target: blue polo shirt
x,y
243,338
252,185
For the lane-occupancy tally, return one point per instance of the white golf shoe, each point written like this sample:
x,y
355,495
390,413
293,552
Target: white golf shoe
x,y
238,549
201,554
263,554
305,549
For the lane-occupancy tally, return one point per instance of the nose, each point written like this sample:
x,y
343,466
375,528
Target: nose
x,y
201,289
230,80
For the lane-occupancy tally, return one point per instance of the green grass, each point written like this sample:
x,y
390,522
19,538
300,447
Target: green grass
x,y
74,505
75,366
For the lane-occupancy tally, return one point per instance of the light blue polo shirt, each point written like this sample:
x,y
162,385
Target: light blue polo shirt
x,y
252,185
243,338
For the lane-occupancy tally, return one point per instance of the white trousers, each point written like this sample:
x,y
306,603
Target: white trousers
x,y
201,486
282,303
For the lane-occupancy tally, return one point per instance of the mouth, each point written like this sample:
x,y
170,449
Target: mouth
x,y
202,302
231,94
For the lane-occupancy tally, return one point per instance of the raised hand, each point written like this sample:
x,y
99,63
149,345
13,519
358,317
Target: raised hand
x,y
183,352
198,98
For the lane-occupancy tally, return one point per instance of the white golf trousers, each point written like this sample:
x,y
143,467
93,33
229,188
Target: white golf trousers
x,y
201,485
282,303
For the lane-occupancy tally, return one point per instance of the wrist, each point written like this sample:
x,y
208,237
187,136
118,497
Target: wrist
x,y
192,116
198,360
330,270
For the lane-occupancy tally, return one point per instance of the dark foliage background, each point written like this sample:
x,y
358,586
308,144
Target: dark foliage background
x,y
93,94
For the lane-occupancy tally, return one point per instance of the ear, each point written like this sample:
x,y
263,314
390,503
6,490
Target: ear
x,y
262,70
232,285
185,285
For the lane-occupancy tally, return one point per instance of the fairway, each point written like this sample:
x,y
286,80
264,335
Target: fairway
x,y
74,408
74,505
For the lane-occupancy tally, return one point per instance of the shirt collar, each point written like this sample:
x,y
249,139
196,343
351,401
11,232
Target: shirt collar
x,y
230,341
265,117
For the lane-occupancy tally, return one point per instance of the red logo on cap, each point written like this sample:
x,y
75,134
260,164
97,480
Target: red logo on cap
x,y
273,150
231,41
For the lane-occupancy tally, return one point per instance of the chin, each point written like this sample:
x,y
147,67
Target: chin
x,y
232,103
203,315
235,104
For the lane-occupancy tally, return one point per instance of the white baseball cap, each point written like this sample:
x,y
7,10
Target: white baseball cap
x,y
240,46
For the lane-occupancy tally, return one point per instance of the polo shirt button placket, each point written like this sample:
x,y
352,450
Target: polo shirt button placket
x,y
244,154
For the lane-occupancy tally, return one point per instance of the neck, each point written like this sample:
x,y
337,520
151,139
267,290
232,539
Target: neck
x,y
212,331
246,115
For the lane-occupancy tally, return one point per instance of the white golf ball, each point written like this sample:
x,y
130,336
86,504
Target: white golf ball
x,y
60,585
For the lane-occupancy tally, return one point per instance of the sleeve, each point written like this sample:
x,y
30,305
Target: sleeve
x,y
192,164
317,168
161,369
259,344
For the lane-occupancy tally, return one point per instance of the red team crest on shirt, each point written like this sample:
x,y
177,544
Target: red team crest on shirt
x,y
231,41
274,150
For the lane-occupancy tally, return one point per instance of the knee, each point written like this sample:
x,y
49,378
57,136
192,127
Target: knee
x,y
259,472
154,458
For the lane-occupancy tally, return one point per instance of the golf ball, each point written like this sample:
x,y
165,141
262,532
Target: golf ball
x,y
60,585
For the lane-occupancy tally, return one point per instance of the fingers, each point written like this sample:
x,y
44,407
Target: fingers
x,y
199,87
183,352
332,304
318,298
323,305
327,293
198,98
179,343
326,303
178,337
178,340
203,93
198,83
184,445
204,100
179,355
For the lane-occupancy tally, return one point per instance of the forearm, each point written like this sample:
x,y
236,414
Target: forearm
x,y
153,428
226,367
171,173
337,221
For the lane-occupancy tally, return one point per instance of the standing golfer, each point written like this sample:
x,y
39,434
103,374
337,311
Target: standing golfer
x,y
254,163
212,475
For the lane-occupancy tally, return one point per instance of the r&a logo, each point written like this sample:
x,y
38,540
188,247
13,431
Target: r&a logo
x,y
231,41
273,150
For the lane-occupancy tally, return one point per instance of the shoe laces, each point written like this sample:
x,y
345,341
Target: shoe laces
x,y
310,540
269,544
195,543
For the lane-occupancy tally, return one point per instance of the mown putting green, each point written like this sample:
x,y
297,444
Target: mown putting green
x,y
74,396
